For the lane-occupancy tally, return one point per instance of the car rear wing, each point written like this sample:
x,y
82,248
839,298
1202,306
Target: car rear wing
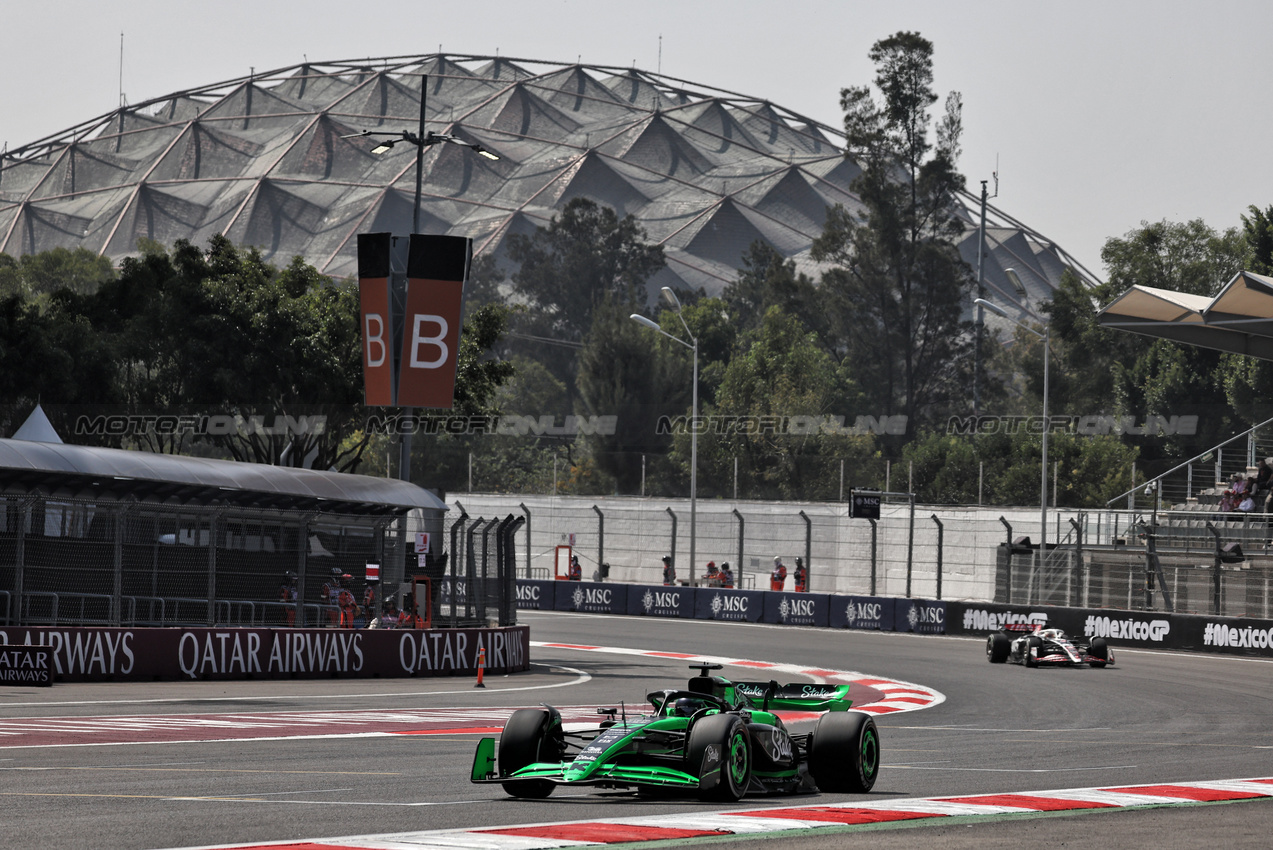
x,y
767,696
1021,627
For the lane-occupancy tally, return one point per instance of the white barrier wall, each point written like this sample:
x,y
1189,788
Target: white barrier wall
x,y
638,533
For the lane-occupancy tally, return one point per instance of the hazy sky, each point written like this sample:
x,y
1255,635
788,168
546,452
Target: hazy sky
x,y
1098,114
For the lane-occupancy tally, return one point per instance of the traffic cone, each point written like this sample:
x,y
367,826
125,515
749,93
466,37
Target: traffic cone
x,y
481,666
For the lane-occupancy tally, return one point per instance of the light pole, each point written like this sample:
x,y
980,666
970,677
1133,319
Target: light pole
x,y
692,345
1043,477
421,140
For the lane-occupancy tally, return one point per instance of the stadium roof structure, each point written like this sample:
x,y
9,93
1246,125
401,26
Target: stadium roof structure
x,y
266,161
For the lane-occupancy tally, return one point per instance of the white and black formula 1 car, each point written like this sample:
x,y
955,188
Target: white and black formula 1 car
x,y
1033,646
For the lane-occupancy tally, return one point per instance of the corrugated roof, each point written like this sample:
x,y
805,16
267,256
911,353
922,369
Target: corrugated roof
x,y
27,466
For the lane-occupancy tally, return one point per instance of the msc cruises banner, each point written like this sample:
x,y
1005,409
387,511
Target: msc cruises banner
x,y
862,612
661,600
713,603
591,597
536,595
798,609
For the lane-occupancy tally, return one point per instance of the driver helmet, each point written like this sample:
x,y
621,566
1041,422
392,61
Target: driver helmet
x,y
1051,633
688,706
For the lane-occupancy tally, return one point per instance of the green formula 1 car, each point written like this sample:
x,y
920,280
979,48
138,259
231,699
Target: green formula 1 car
x,y
716,739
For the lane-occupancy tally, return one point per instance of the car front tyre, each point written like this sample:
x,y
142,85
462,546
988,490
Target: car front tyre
x,y
529,736
997,648
1098,650
719,746
844,753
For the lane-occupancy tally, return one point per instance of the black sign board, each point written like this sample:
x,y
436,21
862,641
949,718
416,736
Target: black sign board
x,y
865,504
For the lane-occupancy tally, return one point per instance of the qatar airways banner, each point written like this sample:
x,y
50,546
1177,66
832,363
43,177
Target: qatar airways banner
x,y
88,654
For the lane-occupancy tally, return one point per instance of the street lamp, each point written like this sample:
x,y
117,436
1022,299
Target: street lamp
x,y
1043,479
423,139
670,297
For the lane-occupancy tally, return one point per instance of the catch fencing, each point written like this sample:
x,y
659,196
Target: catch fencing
x,y
82,562
1097,558
133,564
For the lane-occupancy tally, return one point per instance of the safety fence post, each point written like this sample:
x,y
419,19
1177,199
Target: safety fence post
x,y
873,564
526,511
910,544
940,531
1076,574
601,538
742,524
1007,594
808,548
672,549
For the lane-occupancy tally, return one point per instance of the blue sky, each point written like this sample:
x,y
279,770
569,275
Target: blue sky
x,y
1097,115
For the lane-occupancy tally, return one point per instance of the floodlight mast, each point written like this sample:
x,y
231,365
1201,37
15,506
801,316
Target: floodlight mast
x,y
1043,478
423,139
670,297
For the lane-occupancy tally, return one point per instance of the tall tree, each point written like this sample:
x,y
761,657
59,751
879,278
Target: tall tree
x,y
631,373
586,253
772,415
897,287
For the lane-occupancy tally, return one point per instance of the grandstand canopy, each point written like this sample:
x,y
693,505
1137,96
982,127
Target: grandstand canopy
x,y
266,161
1239,319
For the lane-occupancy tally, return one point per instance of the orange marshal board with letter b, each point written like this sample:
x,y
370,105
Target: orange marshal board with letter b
x,y
375,318
436,269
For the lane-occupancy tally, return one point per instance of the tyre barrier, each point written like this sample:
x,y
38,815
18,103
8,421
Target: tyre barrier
x,y
1142,629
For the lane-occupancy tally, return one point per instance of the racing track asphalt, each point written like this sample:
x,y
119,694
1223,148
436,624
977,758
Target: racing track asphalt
x,y
1154,718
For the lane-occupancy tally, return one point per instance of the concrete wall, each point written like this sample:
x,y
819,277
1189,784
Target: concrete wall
x,y
638,533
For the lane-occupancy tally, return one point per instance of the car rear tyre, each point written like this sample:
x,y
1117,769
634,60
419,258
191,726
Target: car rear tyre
x,y
1098,649
719,743
1032,647
844,753
997,648
529,736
